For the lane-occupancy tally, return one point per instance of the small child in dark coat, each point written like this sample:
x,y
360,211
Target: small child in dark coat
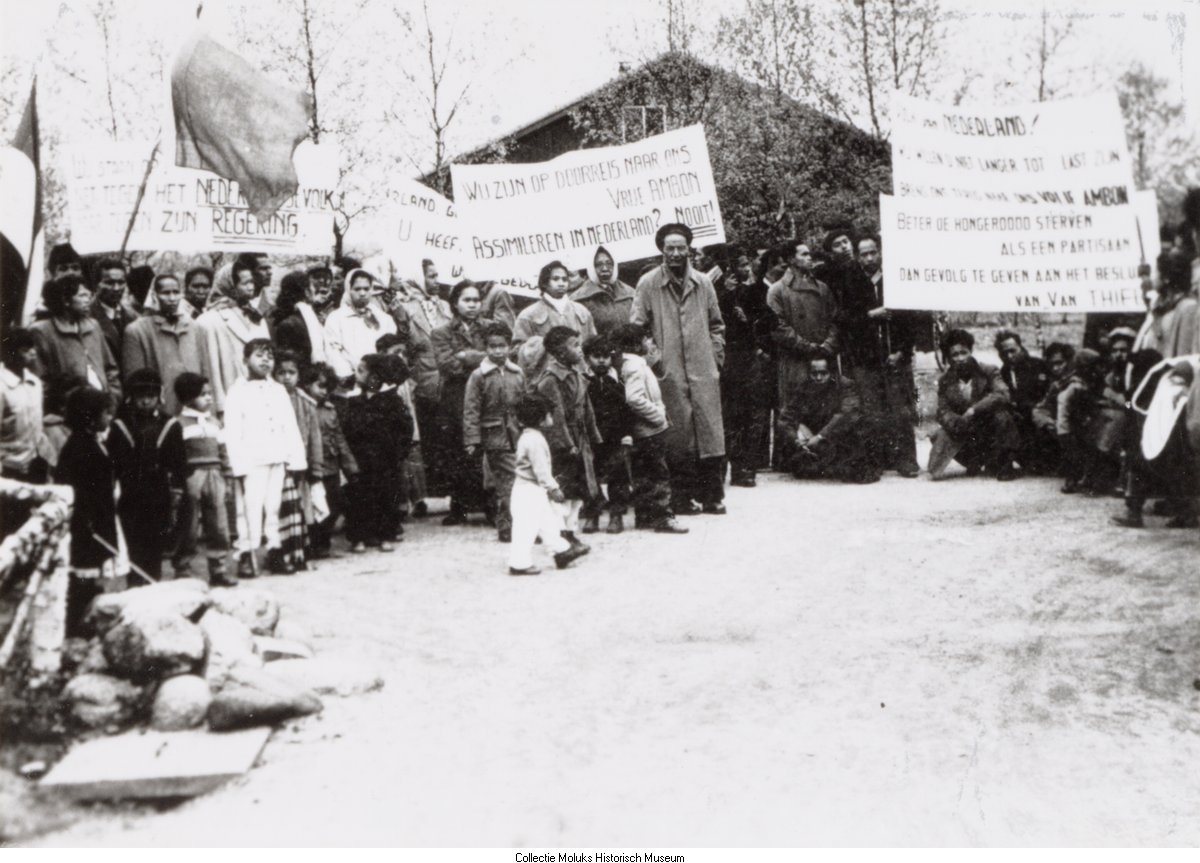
x,y
379,430
146,445
319,380
490,421
615,421
99,563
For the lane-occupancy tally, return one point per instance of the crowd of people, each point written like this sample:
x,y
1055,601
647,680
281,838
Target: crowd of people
x,y
212,410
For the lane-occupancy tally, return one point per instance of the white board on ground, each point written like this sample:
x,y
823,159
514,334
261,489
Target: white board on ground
x,y
960,256
185,210
518,217
145,764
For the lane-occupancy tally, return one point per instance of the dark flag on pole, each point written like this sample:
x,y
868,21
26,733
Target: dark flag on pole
x,y
21,237
233,120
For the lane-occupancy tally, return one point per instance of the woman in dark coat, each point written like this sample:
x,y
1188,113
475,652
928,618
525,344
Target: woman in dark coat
x,y
459,349
286,323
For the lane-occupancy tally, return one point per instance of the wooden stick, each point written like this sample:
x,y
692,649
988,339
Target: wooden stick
x,y
136,569
137,203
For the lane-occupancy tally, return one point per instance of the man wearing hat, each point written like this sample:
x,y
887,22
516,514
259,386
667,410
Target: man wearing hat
x,y
679,306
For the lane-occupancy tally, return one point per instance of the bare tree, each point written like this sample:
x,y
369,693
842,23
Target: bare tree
x,y
1050,41
1162,148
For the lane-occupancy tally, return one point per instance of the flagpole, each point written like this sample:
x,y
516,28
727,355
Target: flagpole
x,y
137,203
37,170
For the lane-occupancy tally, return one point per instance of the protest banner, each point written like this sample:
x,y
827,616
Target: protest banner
x,y
419,224
518,217
187,210
963,256
1066,153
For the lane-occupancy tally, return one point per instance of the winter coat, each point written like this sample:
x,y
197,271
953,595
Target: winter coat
x,y
291,334
613,417
149,460
422,361
168,347
489,407
746,375
379,431
261,428
855,296
453,372
75,348
609,310
350,333
336,455
643,396
85,465
114,327
539,318
688,328
805,320
308,420
574,428
222,332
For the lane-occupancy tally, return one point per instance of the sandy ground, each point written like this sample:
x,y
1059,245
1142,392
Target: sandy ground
x,y
963,663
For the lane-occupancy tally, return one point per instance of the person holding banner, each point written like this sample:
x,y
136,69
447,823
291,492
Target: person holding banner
x,y
460,347
229,323
605,296
554,309
352,330
679,307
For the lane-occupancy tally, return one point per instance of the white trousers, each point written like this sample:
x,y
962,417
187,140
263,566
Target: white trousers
x,y
533,513
569,512
258,496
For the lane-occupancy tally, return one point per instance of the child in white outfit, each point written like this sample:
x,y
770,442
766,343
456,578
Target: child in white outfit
x,y
263,440
533,490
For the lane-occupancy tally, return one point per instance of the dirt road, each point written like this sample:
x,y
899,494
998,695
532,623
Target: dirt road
x,y
968,662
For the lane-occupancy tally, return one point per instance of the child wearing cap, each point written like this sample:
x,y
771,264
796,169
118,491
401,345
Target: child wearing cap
x,y
146,447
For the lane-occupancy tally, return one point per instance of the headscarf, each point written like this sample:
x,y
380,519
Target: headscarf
x,y
374,307
591,270
224,295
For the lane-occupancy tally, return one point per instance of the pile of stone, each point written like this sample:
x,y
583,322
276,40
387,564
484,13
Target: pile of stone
x,y
179,655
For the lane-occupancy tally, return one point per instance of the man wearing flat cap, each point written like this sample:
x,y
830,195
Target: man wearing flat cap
x,y
679,307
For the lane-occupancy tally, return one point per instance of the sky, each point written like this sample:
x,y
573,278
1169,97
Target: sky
x,y
555,50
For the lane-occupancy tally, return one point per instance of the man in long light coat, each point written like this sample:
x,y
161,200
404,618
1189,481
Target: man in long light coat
x,y
679,305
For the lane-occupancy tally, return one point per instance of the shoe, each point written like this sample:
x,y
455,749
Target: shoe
x,y
1006,473
320,553
669,525
687,508
454,519
616,524
504,534
564,558
1182,520
386,546
714,509
528,570
1071,486
245,567
358,548
569,536
217,576
744,482
1163,506
277,564
420,509
1130,519
909,472
591,524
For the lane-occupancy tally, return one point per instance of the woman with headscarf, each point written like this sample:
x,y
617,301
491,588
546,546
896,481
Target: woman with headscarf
x,y
459,348
554,309
229,321
294,323
352,329
608,298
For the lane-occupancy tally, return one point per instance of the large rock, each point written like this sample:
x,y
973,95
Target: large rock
x,y
252,697
230,643
255,608
329,675
100,700
153,644
180,703
184,597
